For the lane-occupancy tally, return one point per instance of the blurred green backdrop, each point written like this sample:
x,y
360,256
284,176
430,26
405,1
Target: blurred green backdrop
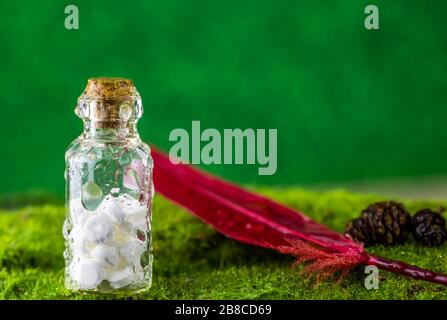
x,y
349,103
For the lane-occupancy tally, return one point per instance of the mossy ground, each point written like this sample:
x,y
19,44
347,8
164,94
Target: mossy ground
x,y
192,261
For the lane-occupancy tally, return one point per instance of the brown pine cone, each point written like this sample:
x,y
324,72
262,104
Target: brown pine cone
x,y
385,222
429,228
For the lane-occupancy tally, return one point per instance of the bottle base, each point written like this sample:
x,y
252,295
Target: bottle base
x,y
115,293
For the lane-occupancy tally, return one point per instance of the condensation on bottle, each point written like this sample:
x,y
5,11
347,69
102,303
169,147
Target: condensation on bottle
x,y
109,193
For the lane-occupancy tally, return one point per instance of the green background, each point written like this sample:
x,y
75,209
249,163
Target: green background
x,y
349,103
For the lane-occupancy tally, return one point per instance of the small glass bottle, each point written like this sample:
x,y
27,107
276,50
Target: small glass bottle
x,y
109,193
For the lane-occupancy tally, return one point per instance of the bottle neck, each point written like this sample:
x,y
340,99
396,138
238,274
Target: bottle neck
x,y
111,130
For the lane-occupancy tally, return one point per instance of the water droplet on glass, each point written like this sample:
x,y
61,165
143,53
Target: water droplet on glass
x,y
144,259
138,109
66,229
125,111
141,235
83,110
141,198
115,192
131,180
91,195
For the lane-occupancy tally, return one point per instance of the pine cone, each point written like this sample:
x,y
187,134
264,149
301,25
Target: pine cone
x,y
358,229
429,228
381,223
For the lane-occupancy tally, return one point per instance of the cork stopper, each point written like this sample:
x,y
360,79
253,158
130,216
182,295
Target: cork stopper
x,y
109,88
110,102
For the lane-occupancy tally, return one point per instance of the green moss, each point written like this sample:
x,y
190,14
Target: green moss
x,y
192,261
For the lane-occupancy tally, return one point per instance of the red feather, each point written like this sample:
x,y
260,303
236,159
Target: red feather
x,y
253,219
